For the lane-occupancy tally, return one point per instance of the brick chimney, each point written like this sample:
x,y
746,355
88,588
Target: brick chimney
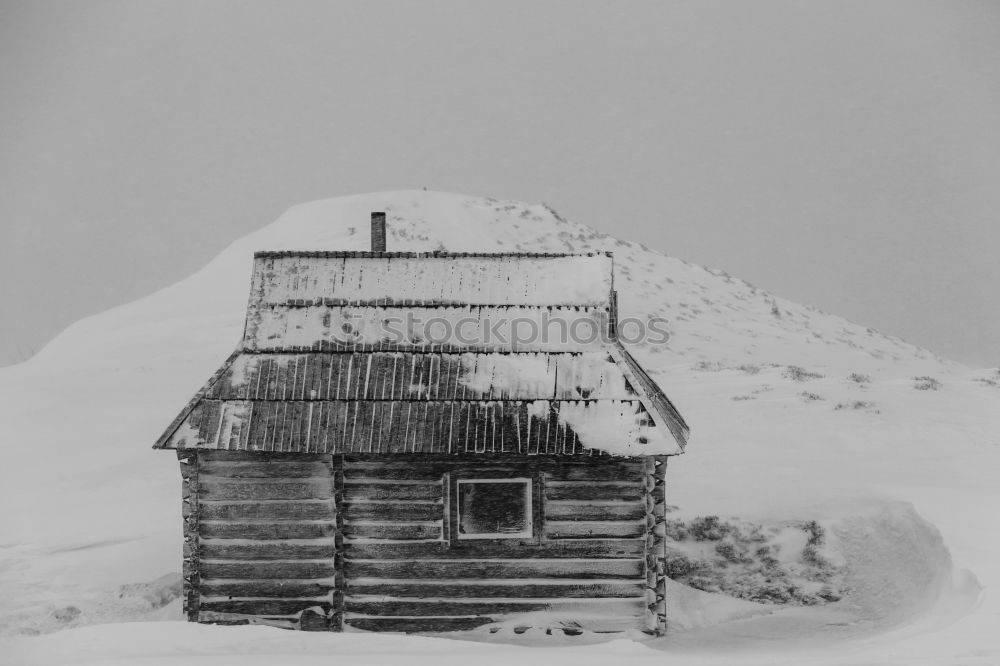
x,y
378,232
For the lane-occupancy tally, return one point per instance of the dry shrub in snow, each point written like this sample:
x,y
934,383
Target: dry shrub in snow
x,y
926,383
993,381
795,373
858,404
780,564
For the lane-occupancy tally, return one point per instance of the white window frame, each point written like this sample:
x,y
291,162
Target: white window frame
x,y
529,530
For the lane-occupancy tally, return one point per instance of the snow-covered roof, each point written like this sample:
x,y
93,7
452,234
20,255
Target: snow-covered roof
x,y
400,352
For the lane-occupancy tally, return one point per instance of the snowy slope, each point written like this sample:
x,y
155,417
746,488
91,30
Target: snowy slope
x,y
841,436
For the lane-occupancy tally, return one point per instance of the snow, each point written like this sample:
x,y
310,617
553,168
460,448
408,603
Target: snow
x,y
907,483
476,280
584,375
508,375
499,328
609,426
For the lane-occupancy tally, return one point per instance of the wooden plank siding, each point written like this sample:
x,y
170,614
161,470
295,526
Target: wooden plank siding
x,y
586,559
365,542
268,539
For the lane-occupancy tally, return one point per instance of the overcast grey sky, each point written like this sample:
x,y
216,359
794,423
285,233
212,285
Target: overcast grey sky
x,y
845,155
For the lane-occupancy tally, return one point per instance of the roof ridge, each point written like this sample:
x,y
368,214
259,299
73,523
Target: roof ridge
x,y
359,254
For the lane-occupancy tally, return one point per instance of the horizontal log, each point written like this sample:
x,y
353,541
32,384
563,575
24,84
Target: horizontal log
x,y
411,625
484,589
556,510
437,465
417,607
264,606
290,510
385,484
259,456
383,473
279,589
586,529
485,569
266,531
593,491
484,460
375,530
634,608
421,491
233,619
225,488
386,470
497,548
276,469
605,471
393,512
555,464
232,549
255,569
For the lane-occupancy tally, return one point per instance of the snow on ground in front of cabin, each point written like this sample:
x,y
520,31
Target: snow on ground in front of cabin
x,y
795,415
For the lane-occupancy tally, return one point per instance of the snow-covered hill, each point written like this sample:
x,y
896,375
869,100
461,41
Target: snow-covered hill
x,y
795,414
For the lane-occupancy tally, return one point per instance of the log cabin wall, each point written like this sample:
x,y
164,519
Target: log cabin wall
x,y
263,545
368,542
407,569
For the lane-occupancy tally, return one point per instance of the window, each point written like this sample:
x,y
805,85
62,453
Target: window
x,y
494,509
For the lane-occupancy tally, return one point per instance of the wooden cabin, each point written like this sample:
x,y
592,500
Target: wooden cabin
x,y
342,471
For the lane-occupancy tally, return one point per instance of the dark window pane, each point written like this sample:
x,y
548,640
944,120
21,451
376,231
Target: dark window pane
x,y
493,508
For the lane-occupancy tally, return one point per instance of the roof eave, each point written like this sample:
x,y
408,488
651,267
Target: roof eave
x,y
164,439
652,397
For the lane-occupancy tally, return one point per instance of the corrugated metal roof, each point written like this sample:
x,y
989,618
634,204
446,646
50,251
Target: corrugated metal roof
x,y
320,369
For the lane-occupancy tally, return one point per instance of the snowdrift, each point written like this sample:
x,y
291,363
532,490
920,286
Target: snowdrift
x,y
796,415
